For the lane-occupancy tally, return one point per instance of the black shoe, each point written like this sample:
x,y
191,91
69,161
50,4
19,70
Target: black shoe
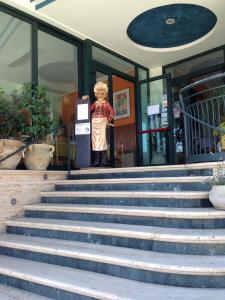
x,y
96,161
103,159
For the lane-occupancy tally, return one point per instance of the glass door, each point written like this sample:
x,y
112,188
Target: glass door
x,y
121,136
156,121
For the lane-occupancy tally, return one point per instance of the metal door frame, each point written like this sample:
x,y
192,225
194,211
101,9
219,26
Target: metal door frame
x,y
170,152
110,72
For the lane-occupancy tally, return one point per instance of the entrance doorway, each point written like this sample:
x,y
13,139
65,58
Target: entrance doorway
x,y
156,116
121,138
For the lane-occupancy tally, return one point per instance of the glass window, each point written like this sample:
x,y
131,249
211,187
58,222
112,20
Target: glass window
x,y
58,71
15,52
113,61
142,74
196,64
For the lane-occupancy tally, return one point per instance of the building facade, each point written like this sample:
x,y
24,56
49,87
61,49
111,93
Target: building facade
x,y
149,126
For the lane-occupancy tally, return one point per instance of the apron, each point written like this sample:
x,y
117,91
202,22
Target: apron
x,y
99,134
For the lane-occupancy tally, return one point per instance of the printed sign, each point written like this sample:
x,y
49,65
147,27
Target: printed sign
x,y
82,129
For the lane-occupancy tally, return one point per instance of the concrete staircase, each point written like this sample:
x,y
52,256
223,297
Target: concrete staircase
x,y
145,233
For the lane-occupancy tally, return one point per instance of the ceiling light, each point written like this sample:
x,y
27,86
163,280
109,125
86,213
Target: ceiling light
x,y
170,21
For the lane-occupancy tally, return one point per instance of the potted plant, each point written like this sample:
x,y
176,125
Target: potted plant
x,y
34,101
217,193
11,123
220,136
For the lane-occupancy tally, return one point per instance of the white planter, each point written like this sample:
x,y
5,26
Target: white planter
x,y
217,196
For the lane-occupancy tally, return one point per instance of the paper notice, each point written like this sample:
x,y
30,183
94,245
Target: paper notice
x,y
82,112
82,128
153,109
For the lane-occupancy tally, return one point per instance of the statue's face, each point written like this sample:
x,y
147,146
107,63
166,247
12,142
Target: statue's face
x,y
100,94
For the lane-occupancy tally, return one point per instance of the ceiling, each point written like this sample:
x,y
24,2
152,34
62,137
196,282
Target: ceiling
x,y
106,23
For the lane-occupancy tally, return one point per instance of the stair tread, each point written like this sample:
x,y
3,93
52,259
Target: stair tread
x,y
141,259
98,285
10,293
187,179
195,166
128,194
125,230
169,212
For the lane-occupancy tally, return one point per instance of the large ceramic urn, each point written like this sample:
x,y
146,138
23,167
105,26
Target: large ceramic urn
x,y
38,156
8,146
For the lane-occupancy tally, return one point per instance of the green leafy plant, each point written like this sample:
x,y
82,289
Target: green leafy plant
x,y
11,121
222,127
35,106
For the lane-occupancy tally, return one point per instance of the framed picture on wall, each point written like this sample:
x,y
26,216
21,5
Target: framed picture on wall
x,y
121,104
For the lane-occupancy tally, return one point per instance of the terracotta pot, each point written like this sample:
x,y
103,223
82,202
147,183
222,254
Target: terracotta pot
x,y
38,156
217,196
8,146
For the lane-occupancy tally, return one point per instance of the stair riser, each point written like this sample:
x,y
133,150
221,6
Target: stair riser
x,y
136,243
40,289
175,186
194,281
149,202
147,174
133,220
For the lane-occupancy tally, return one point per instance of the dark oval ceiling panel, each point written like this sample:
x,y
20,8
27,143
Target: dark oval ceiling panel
x,y
171,25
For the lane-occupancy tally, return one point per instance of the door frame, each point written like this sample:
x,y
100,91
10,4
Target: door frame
x,y
170,137
110,72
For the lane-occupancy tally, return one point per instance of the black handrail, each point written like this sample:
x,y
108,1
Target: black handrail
x,y
201,81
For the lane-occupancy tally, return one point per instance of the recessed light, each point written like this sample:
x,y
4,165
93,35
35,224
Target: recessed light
x,y
170,21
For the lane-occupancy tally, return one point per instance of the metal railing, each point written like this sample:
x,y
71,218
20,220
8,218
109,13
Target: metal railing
x,y
203,107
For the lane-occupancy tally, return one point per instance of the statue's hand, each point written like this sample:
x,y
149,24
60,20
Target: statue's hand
x,y
85,97
109,124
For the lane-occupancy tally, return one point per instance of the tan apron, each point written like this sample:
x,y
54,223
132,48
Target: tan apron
x,y
99,134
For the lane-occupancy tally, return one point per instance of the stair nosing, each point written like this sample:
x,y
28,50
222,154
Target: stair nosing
x,y
188,179
124,261
124,230
187,167
128,194
139,211
90,284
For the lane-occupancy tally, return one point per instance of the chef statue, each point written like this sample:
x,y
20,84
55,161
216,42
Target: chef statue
x,y
102,114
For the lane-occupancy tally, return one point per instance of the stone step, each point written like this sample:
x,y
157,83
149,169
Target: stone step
x,y
140,173
200,183
196,218
180,167
66,283
139,265
152,199
10,293
164,240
